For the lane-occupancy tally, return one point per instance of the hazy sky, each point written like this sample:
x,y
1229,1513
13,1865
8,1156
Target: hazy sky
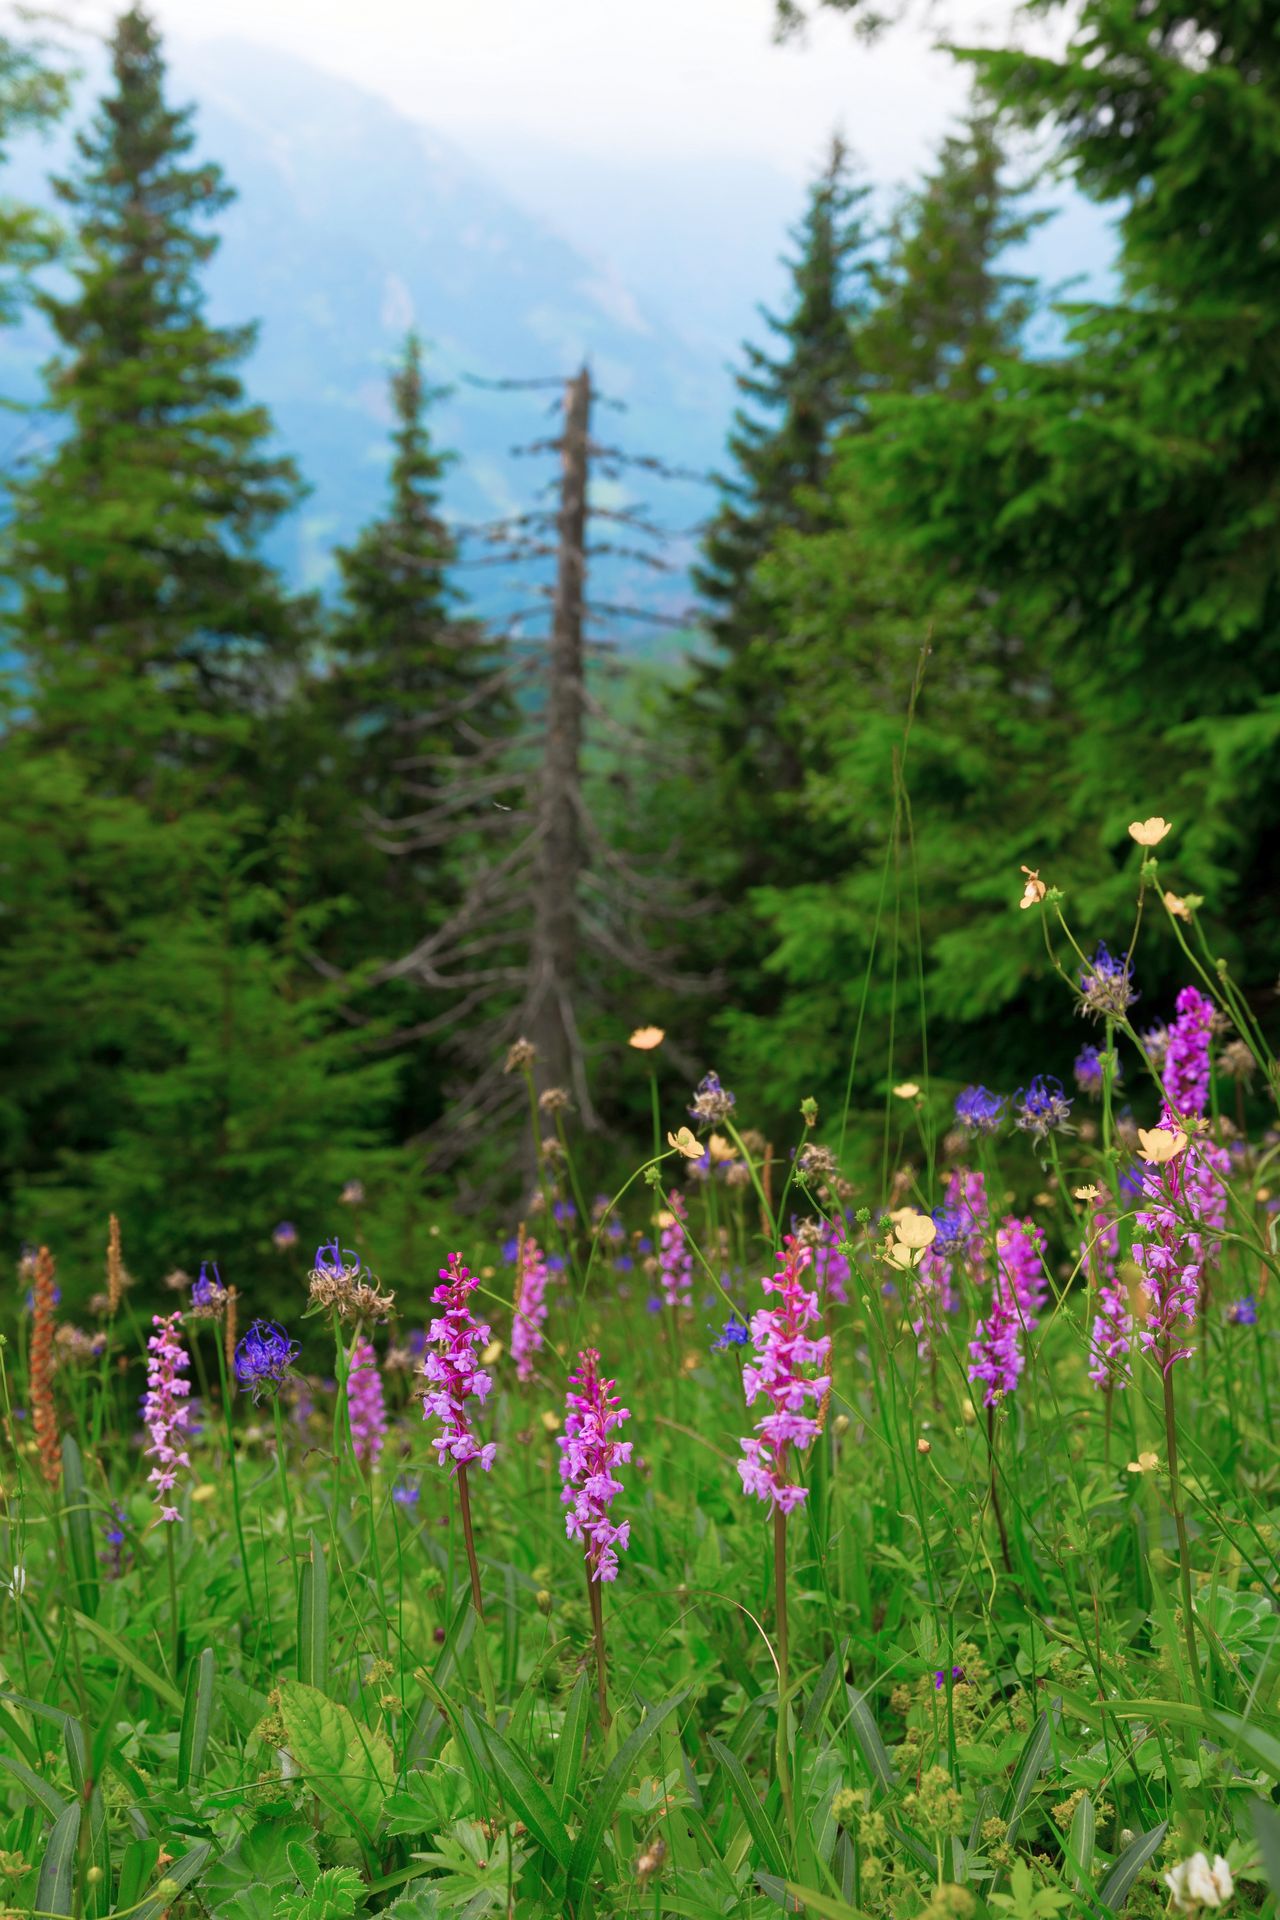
x,y
638,80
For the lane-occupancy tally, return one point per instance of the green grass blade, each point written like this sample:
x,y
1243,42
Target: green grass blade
x,y
135,1663
313,1618
1080,1843
823,1688
866,1734
607,1795
55,1888
79,1519
1115,1889
184,1871
54,1803
197,1713
522,1788
1030,1766
762,1828
564,1782
1266,1829
823,1904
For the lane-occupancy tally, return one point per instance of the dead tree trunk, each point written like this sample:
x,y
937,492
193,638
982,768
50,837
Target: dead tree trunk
x,y
549,1019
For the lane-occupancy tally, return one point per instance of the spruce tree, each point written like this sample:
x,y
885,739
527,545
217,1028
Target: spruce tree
x,y
748,747
415,694
860,605
149,625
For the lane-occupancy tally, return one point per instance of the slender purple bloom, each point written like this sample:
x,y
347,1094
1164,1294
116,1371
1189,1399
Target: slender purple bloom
x,y
1185,1196
1111,1339
996,1358
208,1295
1244,1313
963,1223
830,1264
675,1256
530,1307
588,1459
453,1372
284,1236
1088,1071
735,1333
711,1101
784,1348
164,1410
366,1404
1186,1057
1020,1253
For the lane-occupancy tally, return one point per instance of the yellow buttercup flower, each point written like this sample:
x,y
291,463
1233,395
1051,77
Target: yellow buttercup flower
x,y
1034,890
645,1039
1149,833
687,1143
906,1090
1161,1144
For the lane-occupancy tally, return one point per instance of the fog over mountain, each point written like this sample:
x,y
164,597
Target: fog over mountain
x,y
354,223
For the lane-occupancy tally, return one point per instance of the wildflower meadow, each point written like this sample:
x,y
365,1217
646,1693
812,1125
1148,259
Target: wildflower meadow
x,y
843,1526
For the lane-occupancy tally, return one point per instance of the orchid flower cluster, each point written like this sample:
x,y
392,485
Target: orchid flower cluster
x,y
588,1458
675,1257
997,1352
1111,1338
366,1404
530,1306
165,1411
784,1349
453,1372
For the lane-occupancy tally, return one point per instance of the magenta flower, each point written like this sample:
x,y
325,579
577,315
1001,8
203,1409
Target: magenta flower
x,y
675,1256
1111,1340
588,1457
784,1348
1020,1254
996,1358
1188,1201
366,1404
164,1409
1186,1055
530,1306
830,1265
453,1372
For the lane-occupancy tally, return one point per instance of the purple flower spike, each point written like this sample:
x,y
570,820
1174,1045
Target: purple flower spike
x,y
588,1457
530,1307
453,1373
675,1257
784,1348
366,1404
164,1410
1186,1055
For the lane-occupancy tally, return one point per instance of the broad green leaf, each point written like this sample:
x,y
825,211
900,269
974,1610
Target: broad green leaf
x,y
197,1711
522,1788
55,1888
607,1794
762,1828
348,1767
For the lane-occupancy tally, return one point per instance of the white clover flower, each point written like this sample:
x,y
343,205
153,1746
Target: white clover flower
x,y
1194,1884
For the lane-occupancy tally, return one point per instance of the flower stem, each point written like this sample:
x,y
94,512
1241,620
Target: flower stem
x,y
284,1482
596,1601
235,1473
1179,1518
482,1649
996,1508
784,1664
